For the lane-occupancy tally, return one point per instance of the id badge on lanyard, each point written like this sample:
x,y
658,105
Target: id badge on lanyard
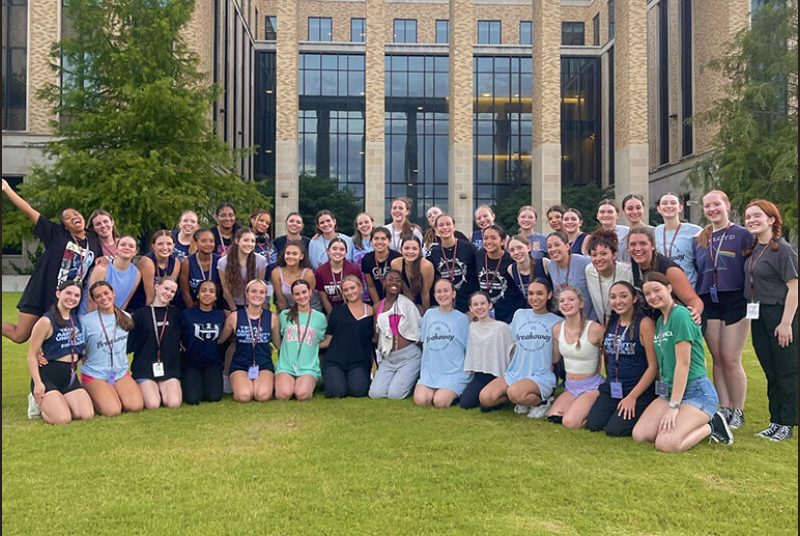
x,y
662,389
753,310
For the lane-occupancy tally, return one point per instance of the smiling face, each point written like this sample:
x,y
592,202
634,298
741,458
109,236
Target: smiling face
x,y
445,227
640,248
569,303
294,224
261,223
443,293
256,294
571,223
657,295
492,242
301,294
432,214
716,208
410,250
554,220
519,250
205,242
621,299
103,226
479,306
526,220
292,255
337,251
602,258
326,224
393,283
207,293
380,242
538,296
634,210
165,290
607,216
351,291
557,249
226,218
483,217
364,224
246,243
103,296
669,206
756,220
69,297
399,211
163,246
127,248
188,223
73,221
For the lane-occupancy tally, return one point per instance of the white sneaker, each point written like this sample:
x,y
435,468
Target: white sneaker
x,y
34,411
521,409
226,384
540,411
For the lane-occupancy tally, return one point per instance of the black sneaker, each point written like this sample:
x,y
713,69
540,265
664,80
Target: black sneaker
x,y
727,413
720,431
736,420
768,431
782,434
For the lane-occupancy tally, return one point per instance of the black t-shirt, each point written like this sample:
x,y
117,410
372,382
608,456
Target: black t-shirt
x,y
63,258
493,278
280,243
351,343
457,264
142,342
376,270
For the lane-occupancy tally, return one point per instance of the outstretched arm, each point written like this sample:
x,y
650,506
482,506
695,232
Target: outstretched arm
x,y
20,203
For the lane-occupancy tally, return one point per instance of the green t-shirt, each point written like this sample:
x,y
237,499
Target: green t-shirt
x,y
679,327
301,358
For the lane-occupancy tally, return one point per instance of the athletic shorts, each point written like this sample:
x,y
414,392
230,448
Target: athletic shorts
x,y
245,366
731,308
577,387
55,377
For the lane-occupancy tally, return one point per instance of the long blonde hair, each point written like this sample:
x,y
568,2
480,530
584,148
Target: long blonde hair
x,y
579,295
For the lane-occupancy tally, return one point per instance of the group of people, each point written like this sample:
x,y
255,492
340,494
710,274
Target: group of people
x,y
619,315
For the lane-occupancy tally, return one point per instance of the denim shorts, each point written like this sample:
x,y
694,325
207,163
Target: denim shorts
x,y
701,394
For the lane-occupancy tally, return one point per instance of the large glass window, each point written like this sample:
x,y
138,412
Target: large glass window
x,y
502,125
663,82
270,28
417,131
405,30
611,115
580,121
331,122
687,146
572,33
526,32
15,59
443,31
358,30
489,32
264,118
320,29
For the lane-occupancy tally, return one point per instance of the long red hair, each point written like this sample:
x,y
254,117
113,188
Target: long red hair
x,y
772,211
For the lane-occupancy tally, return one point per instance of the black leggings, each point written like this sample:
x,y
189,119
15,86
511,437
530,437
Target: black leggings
x,y
603,415
779,364
201,383
470,398
339,383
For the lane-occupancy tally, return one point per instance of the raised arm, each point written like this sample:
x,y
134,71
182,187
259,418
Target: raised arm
x,y
20,203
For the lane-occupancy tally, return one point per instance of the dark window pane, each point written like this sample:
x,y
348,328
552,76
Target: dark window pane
x,y
270,28
572,33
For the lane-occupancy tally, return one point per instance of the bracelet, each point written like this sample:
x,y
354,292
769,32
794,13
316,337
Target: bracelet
x,y
674,405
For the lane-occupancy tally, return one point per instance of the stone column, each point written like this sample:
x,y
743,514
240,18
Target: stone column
x,y
287,184
43,29
630,102
374,140
460,109
546,150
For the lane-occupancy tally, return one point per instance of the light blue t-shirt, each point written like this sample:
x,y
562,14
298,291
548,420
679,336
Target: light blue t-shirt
x,y
99,361
533,349
622,249
682,250
121,281
318,250
444,338
538,243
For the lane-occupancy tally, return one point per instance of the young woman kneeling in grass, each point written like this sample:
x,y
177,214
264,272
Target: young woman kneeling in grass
x,y
444,337
528,381
302,330
254,328
685,411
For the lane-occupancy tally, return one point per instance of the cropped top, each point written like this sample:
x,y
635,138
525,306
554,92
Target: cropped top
x,y
579,360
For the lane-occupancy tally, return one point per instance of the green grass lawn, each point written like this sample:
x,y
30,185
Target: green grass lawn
x,y
376,467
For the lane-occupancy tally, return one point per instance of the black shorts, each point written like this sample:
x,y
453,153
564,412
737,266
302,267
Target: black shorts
x,y
245,366
55,377
731,308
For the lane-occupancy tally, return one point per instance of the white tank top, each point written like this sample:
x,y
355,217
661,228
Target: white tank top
x,y
581,360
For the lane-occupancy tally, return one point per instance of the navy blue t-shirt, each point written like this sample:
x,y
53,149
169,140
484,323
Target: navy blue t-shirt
x,y
200,331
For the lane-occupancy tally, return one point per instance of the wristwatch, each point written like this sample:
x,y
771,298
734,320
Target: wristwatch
x,y
674,405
